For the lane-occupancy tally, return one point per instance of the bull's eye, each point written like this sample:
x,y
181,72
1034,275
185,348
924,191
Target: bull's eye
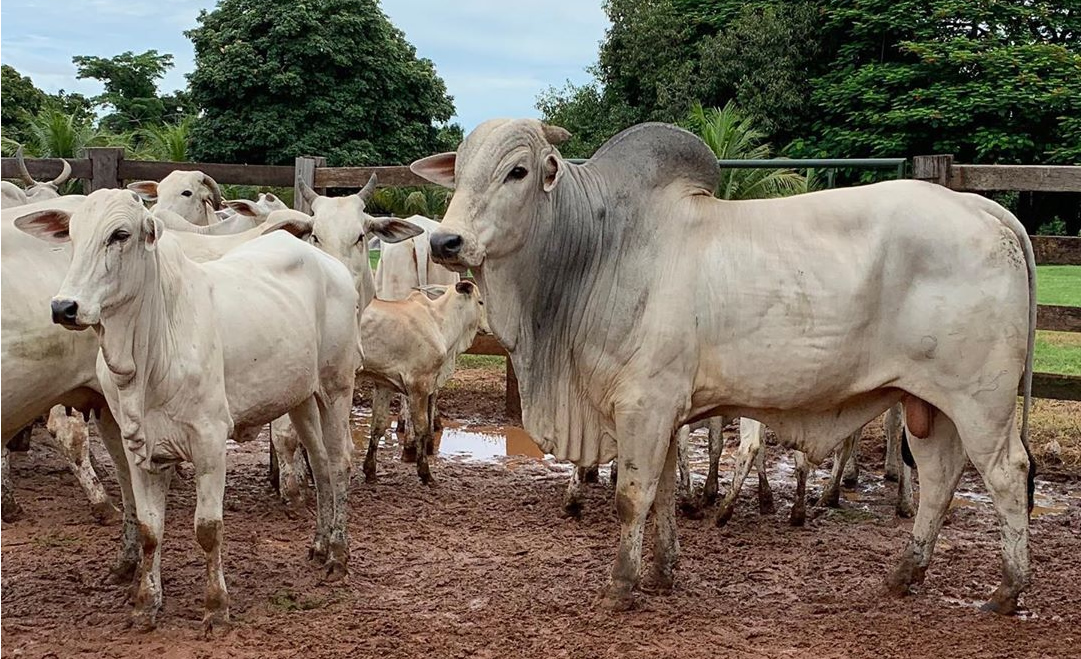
x,y
119,236
517,174
186,193
360,239
315,239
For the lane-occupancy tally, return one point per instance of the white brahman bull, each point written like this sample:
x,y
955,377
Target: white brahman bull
x,y
177,400
192,195
632,301
13,196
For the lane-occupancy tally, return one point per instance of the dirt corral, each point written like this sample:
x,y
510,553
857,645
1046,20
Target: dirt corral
x,y
484,565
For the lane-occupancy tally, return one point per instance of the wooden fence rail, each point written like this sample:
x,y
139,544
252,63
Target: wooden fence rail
x,y
107,168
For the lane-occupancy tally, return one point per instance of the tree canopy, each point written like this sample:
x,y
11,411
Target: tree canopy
x,y
131,89
329,77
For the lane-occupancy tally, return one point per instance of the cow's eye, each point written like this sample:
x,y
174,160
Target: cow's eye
x,y
119,236
315,239
186,193
360,239
517,174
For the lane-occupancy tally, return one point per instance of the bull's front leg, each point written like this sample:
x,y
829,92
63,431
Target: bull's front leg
x,y
750,444
209,462
149,490
716,448
831,496
644,439
572,498
381,397
665,539
894,425
338,442
127,562
422,430
11,510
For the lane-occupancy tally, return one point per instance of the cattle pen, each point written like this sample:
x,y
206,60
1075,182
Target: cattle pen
x,y
106,167
486,565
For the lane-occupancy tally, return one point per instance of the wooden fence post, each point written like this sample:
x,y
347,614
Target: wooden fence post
x,y
305,172
936,169
104,168
514,398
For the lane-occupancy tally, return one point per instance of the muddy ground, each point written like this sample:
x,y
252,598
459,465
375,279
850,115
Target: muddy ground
x,y
485,566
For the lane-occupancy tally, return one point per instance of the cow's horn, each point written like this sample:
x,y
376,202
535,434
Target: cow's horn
x,y
65,174
27,179
307,192
215,191
369,187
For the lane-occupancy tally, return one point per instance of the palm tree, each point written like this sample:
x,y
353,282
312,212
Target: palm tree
x,y
429,201
53,133
732,135
165,142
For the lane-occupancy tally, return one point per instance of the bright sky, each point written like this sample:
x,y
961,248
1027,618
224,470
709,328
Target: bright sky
x,y
495,56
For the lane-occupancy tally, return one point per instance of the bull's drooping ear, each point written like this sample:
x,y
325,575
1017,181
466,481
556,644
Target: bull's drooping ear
x,y
438,169
553,171
244,207
50,225
391,229
294,224
153,228
554,134
147,190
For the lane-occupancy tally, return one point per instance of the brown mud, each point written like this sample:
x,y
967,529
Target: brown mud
x,y
484,565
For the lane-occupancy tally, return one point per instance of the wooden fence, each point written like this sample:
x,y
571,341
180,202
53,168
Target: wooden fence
x,y
107,168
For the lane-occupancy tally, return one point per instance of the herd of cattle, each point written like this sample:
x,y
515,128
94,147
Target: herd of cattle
x,y
634,305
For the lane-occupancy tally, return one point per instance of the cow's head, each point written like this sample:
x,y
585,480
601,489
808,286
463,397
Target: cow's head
x,y
340,227
40,190
193,195
502,175
113,238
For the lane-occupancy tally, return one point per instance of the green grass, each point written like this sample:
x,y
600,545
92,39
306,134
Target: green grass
x,y
1058,284
486,362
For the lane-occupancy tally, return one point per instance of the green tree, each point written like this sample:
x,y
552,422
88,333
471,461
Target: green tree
x,y
330,77
732,135
171,142
21,99
131,89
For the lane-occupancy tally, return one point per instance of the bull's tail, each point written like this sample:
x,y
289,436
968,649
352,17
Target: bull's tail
x,y
1014,225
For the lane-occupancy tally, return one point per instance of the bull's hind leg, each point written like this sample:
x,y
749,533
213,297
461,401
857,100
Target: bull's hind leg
x,y
572,498
284,444
831,496
127,561
381,397
305,418
893,425
716,447
70,435
11,510
765,493
644,443
334,418
1008,472
851,476
798,516
941,460
750,444
209,462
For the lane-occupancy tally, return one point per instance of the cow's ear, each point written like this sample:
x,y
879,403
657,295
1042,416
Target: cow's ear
x,y
434,292
50,225
392,229
153,228
553,171
438,169
147,190
244,207
297,226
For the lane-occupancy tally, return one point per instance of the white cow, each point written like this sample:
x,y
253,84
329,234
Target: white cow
x,y
406,266
177,400
192,195
633,301
35,191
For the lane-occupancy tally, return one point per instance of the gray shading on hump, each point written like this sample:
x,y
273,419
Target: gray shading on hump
x,y
650,156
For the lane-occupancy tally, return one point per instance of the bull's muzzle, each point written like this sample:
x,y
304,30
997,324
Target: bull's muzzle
x,y
65,312
446,246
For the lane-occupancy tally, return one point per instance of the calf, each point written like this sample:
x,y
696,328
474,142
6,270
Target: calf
x,y
193,195
191,351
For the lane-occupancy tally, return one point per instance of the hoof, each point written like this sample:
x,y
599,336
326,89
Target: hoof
x,y
723,516
618,600
11,512
904,510
709,497
1004,607
370,477
336,570
317,552
572,509
212,619
690,509
144,621
659,582
409,454
901,580
797,518
106,513
122,573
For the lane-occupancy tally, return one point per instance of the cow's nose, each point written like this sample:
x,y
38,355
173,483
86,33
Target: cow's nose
x,y
446,245
65,311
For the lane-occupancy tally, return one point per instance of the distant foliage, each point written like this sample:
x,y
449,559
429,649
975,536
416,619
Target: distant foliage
x,y
131,90
170,142
430,201
277,80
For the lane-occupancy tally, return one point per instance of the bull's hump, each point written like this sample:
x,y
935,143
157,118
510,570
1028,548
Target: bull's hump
x,y
652,155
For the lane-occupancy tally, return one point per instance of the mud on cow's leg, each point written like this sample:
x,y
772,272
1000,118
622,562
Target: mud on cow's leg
x,y
210,492
407,433
150,490
572,498
665,538
644,441
716,448
334,419
765,492
381,397
831,495
422,428
851,476
894,426
128,559
10,510
305,418
941,459
285,444
798,516
70,436
750,444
